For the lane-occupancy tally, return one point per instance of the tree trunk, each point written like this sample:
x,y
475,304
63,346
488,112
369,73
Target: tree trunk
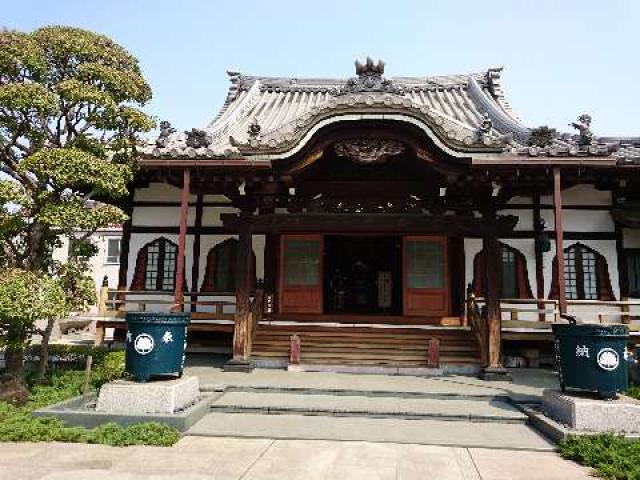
x,y
14,361
44,351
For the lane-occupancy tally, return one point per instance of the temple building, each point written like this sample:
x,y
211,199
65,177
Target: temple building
x,y
403,222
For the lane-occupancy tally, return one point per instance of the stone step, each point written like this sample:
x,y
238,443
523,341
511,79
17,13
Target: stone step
x,y
425,432
462,410
443,394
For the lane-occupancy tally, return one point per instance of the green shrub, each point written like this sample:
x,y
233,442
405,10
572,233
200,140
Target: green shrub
x,y
612,456
18,425
110,367
64,383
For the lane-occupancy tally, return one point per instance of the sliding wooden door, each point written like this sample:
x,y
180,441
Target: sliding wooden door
x,y
301,259
425,276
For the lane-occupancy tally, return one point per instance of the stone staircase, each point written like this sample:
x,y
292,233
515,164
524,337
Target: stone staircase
x,y
438,418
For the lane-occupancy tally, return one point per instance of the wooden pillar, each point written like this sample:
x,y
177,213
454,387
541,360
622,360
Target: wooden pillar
x,y
182,236
538,230
493,271
195,269
557,213
242,328
125,242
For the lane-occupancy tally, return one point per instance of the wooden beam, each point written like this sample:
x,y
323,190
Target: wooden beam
x,y
557,213
184,215
372,223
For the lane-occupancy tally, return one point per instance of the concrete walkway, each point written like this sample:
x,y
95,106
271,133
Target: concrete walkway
x,y
195,458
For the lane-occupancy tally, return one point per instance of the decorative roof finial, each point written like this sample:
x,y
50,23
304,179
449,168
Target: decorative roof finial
x,y
583,125
165,132
370,79
369,68
254,128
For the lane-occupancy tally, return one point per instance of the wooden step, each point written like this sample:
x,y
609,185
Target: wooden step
x,y
396,346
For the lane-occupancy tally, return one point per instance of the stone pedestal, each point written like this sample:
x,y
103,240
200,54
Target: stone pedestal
x,y
584,412
162,396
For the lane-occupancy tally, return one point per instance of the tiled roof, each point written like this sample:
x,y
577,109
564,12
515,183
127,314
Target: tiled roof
x,y
269,116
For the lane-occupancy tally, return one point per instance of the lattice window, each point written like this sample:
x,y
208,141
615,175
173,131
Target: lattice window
x,y
514,278
160,271
570,275
581,273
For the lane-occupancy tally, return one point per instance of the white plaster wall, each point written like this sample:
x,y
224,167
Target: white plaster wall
x,y
211,215
160,192
581,220
472,246
581,195
160,216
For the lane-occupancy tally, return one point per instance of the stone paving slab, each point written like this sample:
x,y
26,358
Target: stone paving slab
x,y
196,458
423,432
460,409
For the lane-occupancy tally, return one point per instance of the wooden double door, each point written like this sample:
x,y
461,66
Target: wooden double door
x,y
424,275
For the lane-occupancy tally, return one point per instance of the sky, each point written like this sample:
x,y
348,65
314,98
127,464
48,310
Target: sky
x,y
560,58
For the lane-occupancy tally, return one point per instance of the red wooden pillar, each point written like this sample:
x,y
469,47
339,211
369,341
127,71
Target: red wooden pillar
x,y
184,215
557,213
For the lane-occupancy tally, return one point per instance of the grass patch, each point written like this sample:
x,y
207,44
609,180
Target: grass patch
x,y
18,425
612,456
633,391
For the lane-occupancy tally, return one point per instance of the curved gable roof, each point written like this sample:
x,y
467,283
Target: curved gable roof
x,y
265,117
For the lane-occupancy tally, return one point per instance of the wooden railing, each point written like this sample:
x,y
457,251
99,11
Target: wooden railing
x,y
533,310
116,303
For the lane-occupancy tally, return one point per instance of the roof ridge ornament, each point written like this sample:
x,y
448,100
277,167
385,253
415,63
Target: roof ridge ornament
x,y
370,78
165,132
198,138
583,125
254,128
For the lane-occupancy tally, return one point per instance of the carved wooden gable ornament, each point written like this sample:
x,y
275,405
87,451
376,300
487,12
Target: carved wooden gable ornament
x,y
369,150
